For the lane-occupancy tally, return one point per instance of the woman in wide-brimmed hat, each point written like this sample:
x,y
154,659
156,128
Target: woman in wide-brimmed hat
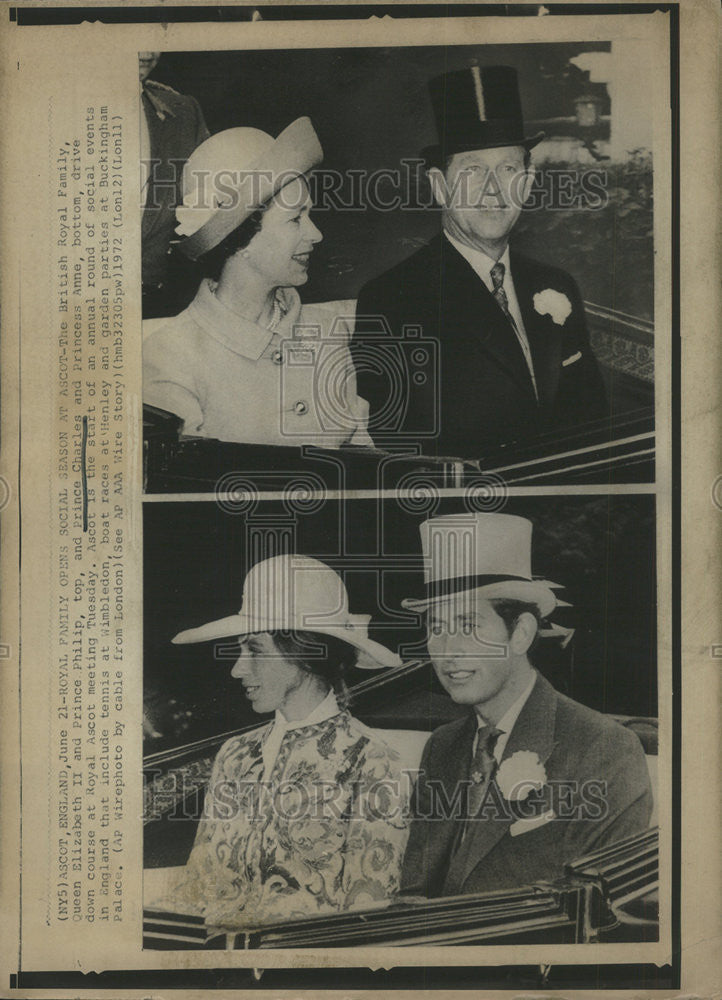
x,y
246,361
308,814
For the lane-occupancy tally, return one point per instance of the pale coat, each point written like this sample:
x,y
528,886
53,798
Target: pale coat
x,y
231,379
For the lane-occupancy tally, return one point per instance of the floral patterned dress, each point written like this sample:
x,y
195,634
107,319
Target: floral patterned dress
x,y
324,832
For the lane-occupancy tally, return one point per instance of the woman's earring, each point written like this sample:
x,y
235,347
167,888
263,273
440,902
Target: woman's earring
x,y
246,254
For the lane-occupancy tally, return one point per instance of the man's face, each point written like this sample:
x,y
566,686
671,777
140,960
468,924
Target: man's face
x,y
146,63
482,193
470,648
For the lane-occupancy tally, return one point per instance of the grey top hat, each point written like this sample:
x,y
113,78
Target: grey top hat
x,y
485,553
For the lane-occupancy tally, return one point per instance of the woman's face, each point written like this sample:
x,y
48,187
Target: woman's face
x,y
280,251
270,682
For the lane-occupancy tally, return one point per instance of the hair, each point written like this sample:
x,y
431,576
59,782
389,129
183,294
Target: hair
x,y
331,665
212,262
510,611
441,161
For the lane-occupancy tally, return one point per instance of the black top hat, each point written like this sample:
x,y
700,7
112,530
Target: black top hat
x,y
477,108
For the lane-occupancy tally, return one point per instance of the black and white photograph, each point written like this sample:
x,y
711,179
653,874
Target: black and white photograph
x,y
434,257
382,722
431,716
360,507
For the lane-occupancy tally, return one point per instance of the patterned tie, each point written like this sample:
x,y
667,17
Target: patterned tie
x,y
483,766
497,276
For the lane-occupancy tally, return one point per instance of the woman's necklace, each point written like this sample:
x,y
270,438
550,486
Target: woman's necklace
x,y
279,307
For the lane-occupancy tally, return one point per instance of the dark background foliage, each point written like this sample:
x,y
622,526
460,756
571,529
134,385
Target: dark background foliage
x,y
582,240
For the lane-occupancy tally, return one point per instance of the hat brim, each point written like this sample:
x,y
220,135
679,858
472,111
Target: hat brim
x,y
540,593
372,655
294,153
434,153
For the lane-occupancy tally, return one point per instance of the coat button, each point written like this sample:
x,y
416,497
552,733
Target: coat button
x,y
301,408
277,358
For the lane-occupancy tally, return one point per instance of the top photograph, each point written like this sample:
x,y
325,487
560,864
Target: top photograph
x,y
385,268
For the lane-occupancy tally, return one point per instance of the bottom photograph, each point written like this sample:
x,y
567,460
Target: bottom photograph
x,y
405,721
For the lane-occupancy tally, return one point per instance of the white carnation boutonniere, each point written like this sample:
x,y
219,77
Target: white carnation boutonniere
x,y
519,775
553,303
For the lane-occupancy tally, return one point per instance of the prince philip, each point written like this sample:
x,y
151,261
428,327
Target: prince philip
x,y
529,780
514,358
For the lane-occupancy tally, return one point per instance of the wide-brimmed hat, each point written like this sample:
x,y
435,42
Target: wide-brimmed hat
x,y
489,554
477,108
234,173
293,593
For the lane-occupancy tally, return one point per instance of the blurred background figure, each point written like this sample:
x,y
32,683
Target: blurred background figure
x,y
171,127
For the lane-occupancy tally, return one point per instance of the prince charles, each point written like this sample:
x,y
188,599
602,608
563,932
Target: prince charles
x,y
529,780
514,358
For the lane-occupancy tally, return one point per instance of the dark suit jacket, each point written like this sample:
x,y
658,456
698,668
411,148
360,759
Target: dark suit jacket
x,y
597,785
176,128
482,394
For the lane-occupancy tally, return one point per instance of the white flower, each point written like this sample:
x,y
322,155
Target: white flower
x,y
556,304
519,774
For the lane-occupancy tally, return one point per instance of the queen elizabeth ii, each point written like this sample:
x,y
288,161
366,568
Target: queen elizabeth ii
x,y
308,814
246,361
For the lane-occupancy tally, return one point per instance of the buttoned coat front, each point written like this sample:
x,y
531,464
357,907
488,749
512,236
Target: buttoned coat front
x,y
231,379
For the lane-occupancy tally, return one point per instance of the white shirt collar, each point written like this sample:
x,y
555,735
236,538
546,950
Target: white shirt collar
x,y
479,261
508,720
482,264
327,708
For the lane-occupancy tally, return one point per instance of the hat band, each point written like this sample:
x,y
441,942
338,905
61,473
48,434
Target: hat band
x,y
458,584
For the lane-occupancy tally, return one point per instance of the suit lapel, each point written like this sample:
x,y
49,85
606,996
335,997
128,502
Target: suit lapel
x,y
470,312
544,336
452,774
456,763
534,730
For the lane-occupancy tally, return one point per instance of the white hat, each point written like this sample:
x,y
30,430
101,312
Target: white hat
x,y
484,553
234,173
296,593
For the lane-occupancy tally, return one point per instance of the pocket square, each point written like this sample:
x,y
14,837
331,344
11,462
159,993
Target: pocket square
x,y
571,359
533,823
